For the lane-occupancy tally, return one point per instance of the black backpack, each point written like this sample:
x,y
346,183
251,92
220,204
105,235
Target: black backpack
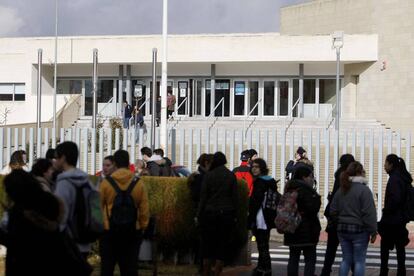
x,y
87,223
124,213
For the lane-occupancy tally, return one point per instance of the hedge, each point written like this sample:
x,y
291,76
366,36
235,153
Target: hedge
x,y
170,203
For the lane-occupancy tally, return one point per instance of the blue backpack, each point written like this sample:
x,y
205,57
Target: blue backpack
x,y
124,213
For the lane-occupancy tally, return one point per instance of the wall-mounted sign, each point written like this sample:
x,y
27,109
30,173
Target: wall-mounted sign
x,y
183,92
239,88
138,91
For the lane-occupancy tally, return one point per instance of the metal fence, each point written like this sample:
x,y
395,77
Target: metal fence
x,y
276,146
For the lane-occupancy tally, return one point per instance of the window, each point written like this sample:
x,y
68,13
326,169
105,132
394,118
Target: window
x,y
69,87
12,92
327,91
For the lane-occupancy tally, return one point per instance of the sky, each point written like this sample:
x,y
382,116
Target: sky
x,y
126,17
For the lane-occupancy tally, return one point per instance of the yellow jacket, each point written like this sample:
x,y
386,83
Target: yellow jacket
x,y
123,178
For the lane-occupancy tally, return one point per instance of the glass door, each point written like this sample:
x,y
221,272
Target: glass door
x,y
222,93
269,98
157,97
105,93
140,91
239,98
253,98
197,93
183,97
284,98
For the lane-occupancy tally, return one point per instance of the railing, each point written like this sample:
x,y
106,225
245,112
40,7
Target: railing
x,y
330,118
248,116
214,111
291,117
105,106
179,106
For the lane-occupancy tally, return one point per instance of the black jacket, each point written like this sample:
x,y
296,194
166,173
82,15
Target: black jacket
x,y
260,187
309,203
336,186
292,166
154,168
395,197
195,183
219,192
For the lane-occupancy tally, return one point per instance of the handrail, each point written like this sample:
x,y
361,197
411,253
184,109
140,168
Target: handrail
x,y
179,106
214,110
106,105
291,117
332,118
140,107
248,116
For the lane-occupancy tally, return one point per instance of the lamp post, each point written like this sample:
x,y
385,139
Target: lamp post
x,y
163,125
55,73
337,44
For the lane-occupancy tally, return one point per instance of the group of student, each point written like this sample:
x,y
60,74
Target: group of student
x,y
351,215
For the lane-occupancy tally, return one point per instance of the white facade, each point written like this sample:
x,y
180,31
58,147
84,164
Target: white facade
x,y
266,66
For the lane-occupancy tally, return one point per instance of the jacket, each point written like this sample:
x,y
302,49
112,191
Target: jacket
x,y
393,211
66,191
35,245
171,102
309,203
260,186
243,172
195,182
123,178
335,188
127,111
46,185
219,192
356,207
292,166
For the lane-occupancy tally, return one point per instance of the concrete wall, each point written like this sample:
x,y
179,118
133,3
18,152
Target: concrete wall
x,y
385,95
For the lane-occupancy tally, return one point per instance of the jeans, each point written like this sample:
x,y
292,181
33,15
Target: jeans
x,y
126,122
354,250
309,253
262,241
137,129
122,250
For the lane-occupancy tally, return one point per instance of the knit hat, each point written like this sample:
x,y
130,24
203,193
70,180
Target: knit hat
x,y
244,156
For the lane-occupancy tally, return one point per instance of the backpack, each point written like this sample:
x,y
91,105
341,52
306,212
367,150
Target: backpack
x,y
409,203
270,203
87,223
124,214
288,217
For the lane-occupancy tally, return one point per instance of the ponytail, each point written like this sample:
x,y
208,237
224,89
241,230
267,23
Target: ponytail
x,y
398,164
354,169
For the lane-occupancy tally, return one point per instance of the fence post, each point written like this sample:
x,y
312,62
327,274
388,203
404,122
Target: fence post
x,y
224,141
133,146
231,143
327,155
53,138
182,145
354,143
85,150
2,146
274,152
380,164
249,139
62,135
398,145
117,137
266,145
345,142
257,138
198,142
362,148
310,144
371,160
31,147
39,143
8,149
207,140
389,141
292,144
215,140
23,139
109,149
125,139
283,159
16,139
140,142
93,151
190,150
46,141
241,144
336,150
318,159
173,145
101,146
77,132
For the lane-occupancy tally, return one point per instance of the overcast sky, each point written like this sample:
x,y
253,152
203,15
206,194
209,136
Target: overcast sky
x,y
100,17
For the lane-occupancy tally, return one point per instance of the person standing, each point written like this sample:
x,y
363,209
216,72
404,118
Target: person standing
x,y
151,161
261,218
70,184
333,240
108,167
42,171
392,226
306,236
301,160
354,210
127,114
243,171
124,202
170,104
217,214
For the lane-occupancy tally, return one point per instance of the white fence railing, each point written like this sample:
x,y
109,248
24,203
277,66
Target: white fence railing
x,y
324,147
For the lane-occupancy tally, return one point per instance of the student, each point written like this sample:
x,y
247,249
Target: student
x,y
216,213
108,167
333,240
17,161
165,163
243,171
125,220
261,218
151,161
43,171
68,183
306,236
354,210
301,159
127,114
392,226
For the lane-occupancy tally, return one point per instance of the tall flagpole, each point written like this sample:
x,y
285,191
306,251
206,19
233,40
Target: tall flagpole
x,y
163,126
55,69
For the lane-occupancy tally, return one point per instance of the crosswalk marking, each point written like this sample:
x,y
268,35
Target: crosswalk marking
x,y
280,255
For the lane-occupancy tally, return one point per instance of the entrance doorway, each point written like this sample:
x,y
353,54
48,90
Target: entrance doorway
x,y
105,93
284,98
140,92
222,96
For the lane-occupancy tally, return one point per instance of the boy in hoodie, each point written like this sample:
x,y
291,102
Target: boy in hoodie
x,y
121,244
67,183
165,163
152,161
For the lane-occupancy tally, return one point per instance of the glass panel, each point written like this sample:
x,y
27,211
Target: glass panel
x,y
327,91
309,91
222,91
182,95
269,98
88,98
207,98
69,87
197,98
139,94
295,97
21,89
239,95
6,88
283,98
105,91
253,97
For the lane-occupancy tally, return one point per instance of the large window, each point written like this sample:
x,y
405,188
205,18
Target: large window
x,y
12,92
69,87
327,91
